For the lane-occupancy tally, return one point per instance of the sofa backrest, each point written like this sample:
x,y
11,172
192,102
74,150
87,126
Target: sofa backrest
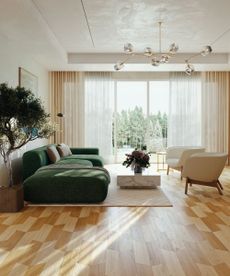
x,y
32,160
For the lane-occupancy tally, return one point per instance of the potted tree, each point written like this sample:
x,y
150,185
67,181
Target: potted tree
x,y
22,119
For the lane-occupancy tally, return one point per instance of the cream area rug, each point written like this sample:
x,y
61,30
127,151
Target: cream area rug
x,y
118,197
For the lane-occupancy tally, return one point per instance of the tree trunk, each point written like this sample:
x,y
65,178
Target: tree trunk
x,y
8,164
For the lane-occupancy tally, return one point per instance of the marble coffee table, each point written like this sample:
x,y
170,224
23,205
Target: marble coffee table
x,y
147,180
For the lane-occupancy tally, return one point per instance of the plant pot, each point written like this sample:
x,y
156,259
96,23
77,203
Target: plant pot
x,y
11,198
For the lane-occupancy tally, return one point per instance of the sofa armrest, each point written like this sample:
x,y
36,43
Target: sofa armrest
x,y
85,151
33,160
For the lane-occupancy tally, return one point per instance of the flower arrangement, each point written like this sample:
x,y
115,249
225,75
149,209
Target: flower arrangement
x,y
137,157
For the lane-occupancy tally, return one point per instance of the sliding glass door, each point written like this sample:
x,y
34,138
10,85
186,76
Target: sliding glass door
x,y
140,118
131,112
158,115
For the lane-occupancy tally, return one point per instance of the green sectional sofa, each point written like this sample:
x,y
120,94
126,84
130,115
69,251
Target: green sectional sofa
x,y
78,178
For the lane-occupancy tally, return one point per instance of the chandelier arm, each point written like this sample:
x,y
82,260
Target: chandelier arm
x,y
126,59
195,55
138,54
220,36
160,36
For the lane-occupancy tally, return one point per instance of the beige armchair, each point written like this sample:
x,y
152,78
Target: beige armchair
x,y
204,169
177,155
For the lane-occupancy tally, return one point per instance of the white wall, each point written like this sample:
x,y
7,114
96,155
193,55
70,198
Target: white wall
x,y
10,60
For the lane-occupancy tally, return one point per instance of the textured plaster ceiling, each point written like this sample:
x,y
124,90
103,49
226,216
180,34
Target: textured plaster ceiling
x,y
50,29
191,24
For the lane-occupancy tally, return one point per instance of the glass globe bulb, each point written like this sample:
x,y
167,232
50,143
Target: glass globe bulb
x,y
206,50
119,65
189,69
164,59
128,48
155,62
173,49
148,52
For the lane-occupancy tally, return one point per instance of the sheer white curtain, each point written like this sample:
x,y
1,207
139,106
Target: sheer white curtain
x,y
184,121
215,110
99,113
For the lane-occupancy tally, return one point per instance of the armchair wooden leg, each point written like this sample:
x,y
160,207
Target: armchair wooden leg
x,y
181,169
168,170
218,182
218,188
186,185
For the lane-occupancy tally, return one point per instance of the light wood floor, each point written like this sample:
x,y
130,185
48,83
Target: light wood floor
x,y
190,238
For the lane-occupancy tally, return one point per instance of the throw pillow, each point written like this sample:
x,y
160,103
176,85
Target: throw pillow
x,y
64,150
53,154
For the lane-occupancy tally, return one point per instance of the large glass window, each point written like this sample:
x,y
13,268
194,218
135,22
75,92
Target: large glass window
x,y
131,112
158,115
140,118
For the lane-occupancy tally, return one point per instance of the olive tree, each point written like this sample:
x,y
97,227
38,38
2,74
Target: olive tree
x,y
22,119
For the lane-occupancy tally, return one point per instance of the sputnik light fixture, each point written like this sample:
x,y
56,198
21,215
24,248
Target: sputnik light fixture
x,y
156,58
160,57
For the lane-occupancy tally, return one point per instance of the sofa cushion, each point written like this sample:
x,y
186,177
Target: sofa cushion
x,y
53,154
86,163
64,150
95,159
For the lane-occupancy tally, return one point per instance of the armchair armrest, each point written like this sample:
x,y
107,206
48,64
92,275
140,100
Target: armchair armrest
x,y
85,151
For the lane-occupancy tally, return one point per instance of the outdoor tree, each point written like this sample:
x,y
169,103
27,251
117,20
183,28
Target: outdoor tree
x,y
137,127
164,125
122,128
22,119
149,135
158,137
133,128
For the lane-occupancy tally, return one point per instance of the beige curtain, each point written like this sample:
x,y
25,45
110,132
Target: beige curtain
x,y
67,97
215,111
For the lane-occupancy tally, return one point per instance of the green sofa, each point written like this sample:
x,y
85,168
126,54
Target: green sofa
x,y
79,178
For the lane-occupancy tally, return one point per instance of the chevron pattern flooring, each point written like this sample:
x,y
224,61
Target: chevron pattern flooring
x,y
190,238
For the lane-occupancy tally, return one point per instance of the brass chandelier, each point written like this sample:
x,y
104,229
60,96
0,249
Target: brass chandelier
x,y
160,57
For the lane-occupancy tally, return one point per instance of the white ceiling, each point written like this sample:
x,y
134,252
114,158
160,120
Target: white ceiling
x,y
50,29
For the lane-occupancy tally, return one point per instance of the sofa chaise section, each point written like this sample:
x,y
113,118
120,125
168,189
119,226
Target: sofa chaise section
x,y
67,185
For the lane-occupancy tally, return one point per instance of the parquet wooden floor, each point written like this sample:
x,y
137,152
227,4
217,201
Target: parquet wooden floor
x,y
190,238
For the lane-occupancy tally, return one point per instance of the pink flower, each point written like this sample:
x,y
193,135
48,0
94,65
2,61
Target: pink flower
x,y
137,154
137,157
146,157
